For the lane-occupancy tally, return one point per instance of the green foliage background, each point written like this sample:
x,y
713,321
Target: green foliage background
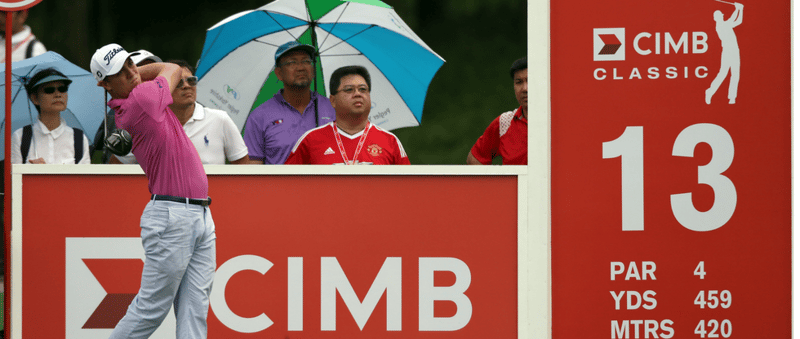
x,y
479,39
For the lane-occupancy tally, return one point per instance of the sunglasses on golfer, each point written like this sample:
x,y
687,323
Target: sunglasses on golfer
x,y
52,89
191,81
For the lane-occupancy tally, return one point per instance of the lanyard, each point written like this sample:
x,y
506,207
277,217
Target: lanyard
x,y
341,145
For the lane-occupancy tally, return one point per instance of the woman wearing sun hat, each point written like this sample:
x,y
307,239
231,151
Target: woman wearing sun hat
x,y
49,140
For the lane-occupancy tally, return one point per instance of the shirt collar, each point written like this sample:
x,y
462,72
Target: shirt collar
x,y
198,114
56,132
21,35
357,135
283,101
116,103
518,115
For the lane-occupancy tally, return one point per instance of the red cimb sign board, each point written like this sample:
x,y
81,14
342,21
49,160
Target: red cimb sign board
x,y
17,5
671,169
297,256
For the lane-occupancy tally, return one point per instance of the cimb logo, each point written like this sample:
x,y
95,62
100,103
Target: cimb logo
x,y
102,277
609,44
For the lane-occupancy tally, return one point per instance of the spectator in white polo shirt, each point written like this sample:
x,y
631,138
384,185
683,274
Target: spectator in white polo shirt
x,y
212,131
49,140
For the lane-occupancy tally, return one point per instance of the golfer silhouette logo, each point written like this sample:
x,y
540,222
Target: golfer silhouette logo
x,y
730,52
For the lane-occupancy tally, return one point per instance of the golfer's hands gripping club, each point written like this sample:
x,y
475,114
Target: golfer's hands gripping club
x,y
119,142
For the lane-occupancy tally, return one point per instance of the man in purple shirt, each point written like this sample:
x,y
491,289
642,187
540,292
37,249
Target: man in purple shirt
x,y
273,128
177,229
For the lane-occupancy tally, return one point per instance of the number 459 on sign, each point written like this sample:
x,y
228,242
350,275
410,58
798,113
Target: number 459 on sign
x,y
630,147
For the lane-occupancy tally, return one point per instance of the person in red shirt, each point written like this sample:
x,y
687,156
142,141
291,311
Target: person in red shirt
x,y
351,139
507,135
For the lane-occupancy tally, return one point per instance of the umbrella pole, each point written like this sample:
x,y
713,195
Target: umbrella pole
x,y
105,126
7,185
313,26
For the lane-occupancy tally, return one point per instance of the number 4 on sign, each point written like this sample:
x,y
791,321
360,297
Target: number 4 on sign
x,y
630,147
700,270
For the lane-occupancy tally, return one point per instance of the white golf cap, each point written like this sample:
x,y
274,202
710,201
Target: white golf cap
x,y
142,55
108,60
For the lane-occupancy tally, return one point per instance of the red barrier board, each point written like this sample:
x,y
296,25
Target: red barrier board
x,y
671,182
297,256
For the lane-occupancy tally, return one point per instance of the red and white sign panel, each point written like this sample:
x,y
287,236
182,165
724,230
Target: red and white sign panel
x,y
671,183
298,256
17,5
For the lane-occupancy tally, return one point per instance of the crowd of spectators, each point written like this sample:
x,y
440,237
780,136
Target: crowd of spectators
x,y
288,128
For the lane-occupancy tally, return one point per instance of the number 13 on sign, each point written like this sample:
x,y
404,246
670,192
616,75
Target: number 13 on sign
x,y
630,147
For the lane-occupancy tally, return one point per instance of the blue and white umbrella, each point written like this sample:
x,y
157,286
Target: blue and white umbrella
x,y
86,104
236,69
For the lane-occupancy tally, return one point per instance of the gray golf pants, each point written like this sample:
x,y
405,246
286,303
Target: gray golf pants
x,y
180,260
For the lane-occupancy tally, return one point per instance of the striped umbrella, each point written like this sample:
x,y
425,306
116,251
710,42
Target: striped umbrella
x,y
236,69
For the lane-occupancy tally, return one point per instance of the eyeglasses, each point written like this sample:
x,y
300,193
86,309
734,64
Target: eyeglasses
x,y
191,81
52,89
295,63
363,89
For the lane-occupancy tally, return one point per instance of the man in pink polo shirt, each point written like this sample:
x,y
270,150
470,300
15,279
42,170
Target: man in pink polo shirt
x,y
177,229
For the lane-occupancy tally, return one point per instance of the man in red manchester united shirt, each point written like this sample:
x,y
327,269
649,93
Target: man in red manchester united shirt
x,y
351,139
507,135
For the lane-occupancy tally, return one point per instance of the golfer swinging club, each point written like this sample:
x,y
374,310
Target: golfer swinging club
x,y
177,229
730,53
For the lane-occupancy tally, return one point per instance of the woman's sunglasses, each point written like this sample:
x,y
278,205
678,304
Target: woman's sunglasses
x,y
51,90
